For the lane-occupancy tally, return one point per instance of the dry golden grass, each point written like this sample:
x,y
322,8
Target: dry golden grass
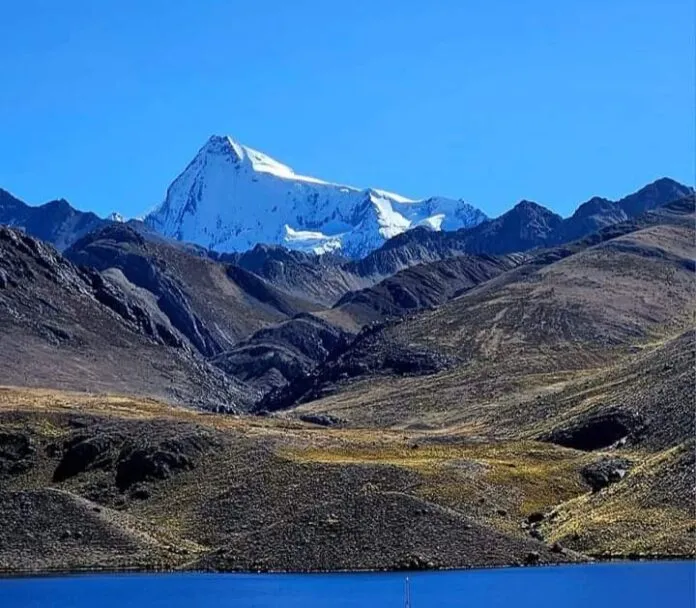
x,y
539,475
647,514
498,483
14,398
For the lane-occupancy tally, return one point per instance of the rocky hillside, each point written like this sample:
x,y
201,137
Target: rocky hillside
x,y
563,312
426,285
91,482
276,355
84,330
211,305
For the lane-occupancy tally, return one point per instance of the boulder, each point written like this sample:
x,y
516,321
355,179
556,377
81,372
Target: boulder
x,y
16,453
322,419
605,472
82,453
149,464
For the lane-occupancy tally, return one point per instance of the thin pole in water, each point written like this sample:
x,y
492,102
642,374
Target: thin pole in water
x,y
407,594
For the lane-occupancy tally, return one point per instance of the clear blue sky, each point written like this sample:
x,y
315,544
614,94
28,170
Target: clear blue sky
x,y
104,103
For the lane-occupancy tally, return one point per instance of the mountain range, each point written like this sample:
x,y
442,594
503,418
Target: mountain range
x,y
231,198
517,390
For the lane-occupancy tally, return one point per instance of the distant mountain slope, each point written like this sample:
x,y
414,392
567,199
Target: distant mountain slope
x,y
82,330
426,285
324,279
526,226
653,195
212,305
231,197
567,312
55,222
275,355
318,278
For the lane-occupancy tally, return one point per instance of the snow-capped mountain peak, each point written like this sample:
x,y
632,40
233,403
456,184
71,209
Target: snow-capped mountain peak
x,y
231,197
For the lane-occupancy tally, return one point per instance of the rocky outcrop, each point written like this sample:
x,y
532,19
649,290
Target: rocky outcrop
x,y
605,472
16,453
369,354
84,329
425,285
274,356
132,458
84,452
322,419
208,304
318,278
597,430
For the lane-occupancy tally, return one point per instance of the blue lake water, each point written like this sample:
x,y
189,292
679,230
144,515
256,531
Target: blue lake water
x,y
634,585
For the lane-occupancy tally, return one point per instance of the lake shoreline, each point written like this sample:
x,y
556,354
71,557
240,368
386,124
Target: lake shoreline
x,y
591,560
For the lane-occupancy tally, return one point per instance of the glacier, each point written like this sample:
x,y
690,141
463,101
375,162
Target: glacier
x,y
231,197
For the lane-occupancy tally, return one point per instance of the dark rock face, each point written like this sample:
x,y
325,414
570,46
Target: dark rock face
x,y
16,453
208,304
137,464
131,458
121,247
535,518
367,355
26,260
149,464
322,419
132,310
75,328
277,355
83,453
605,472
597,431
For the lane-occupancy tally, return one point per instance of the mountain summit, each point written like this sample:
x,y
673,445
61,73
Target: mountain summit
x,y
231,197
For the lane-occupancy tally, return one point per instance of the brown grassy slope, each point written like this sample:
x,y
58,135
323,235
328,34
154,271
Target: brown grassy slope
x,y
529,333
599,340
249,493
651,513
267,493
